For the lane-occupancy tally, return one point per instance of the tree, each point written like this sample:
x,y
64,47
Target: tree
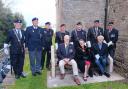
x,y
6,20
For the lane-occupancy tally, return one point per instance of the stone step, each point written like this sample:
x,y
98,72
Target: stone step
x,y
68,81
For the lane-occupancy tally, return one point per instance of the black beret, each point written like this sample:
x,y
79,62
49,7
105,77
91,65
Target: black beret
x,y
96,21
78,23
35,18
110,23
17,21
47,23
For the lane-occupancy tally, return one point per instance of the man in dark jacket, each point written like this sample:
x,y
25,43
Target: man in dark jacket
x,y
34,38
66,53
48,35
16,38
100,50
78,34
60,35
93,32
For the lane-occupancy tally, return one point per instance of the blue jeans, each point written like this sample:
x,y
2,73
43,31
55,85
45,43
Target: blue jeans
x,y
35,60
101,63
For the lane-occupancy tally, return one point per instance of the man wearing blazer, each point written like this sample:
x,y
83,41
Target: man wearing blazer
x,y
100,51
66,53
35,44
16,38
111,37
93,32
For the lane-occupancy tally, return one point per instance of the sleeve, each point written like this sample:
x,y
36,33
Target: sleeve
x,y
89,34
59,55
73,53
72,36
116,36
8,39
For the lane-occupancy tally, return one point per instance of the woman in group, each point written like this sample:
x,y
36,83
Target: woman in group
x,y
83,58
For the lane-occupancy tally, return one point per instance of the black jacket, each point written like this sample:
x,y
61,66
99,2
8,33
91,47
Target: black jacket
x,y
17,47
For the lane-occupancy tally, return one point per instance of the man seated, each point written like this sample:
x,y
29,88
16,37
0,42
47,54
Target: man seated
x,y
66,53
100,51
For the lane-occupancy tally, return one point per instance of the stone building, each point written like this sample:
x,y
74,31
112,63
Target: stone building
x,y
86,11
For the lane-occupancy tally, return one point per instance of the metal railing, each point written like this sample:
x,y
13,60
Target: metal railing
x,y
4,64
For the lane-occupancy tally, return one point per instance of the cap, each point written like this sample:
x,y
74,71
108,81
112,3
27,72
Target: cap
x,y
78,23
47,23
17,21
97,21
35,18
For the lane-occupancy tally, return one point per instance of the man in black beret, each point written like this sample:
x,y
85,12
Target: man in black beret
x,y
16,38
48,34
35,44
77,34
111,37
93,32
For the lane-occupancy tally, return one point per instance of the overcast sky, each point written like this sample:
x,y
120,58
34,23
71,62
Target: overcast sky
x,y
43,9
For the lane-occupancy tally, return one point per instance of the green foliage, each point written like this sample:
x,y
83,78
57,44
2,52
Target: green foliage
x,y
6,21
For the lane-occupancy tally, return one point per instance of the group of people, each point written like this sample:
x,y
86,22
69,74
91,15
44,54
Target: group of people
x,y
86,50
36,40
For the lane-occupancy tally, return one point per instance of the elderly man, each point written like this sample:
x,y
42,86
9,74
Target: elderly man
x,y
100,50
66,53
34,43
16,38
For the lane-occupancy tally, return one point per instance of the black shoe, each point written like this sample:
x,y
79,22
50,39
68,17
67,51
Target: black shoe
x,y
23,76
39,73
33,74
107,74
17,76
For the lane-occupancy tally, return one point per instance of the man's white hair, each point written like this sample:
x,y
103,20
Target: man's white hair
x,y
100,37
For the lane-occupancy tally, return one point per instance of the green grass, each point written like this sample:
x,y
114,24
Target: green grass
x,y
40,82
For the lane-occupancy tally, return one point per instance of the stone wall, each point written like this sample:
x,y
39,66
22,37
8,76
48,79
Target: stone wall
x,y
86,11
118,11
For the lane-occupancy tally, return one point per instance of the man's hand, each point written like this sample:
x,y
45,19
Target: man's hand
x,y
97,56
6,51
66,60
110,43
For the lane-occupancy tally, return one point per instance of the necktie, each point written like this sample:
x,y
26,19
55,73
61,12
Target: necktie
x,y
100,46
66,48
18,34
96,30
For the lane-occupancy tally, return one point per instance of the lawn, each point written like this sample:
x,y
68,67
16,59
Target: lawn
x,y
40,82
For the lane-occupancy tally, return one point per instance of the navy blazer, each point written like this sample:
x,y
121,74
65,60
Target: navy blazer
x,y
60,37
102,52
61,52
75,37
111,36
91,35
48,34
17,47
34,38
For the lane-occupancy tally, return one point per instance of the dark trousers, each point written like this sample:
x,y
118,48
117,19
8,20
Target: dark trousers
x,y
48,58
17,63
112,52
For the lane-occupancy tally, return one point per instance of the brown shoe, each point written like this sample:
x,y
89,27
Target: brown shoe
x,y
62,76
77,80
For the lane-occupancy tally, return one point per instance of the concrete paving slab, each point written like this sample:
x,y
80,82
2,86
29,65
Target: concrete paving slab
x,y
68,80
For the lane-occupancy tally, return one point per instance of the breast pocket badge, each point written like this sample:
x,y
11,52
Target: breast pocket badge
x,y
112,35
70,50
